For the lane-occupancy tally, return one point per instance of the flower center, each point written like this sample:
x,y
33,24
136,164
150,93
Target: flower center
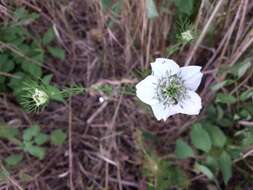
x,y
171,90
39,97
187,36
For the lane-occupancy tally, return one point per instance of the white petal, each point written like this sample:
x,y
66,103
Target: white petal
x,y
162,66
162,112
191,76
192,104
146,90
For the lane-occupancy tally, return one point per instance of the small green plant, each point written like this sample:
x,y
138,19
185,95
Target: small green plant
x,y
160,173
21,62
31,140
185,34
223,137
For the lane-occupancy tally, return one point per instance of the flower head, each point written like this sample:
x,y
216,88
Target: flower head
x,y
33,96
170,90
40,97
187,36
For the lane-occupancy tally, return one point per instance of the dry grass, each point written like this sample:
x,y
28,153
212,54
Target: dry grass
x,y
101,151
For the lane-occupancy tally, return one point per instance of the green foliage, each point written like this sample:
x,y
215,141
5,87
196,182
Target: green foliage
x,y
218,138
57,52
48,37
160,173
21,62
225,164
8,133
183,150
205,170
222,84
31,140
218,134
13,159
58,137
184,6
184,33
200,138
225,98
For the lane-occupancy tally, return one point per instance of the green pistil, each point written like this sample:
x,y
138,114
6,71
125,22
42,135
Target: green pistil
x,y
171,90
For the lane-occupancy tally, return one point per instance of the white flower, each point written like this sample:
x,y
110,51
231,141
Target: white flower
x,y
187,36
170,90
39,97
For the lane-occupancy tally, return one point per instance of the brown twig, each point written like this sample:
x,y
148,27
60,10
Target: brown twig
x,y
71,182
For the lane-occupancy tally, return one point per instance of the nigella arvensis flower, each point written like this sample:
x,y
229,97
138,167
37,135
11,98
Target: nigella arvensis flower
x,y
170,89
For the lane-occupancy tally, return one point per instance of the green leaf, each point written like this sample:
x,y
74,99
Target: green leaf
x,y
235,152
15,82
225,98
184,6
7,132
47,79
48,37
37,151
31,132
225,164
225,122
4,174
151,9
33,69
183,150
13,159
58,137
177,178
218,138
246,94
244,68
54,93
205,170
21,13
41,139
57,52
200,138
248,138
24,16
222,84
240,68
212,163
6,65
